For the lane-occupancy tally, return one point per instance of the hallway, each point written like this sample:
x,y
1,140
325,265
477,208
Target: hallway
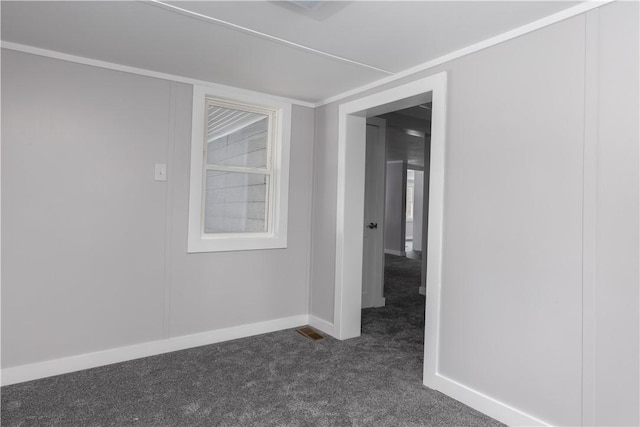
x,y
402,318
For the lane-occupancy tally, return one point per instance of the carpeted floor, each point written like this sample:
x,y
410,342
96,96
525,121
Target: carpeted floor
x,y
277,379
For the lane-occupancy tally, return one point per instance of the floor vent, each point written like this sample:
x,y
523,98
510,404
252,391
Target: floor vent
x,y
310,333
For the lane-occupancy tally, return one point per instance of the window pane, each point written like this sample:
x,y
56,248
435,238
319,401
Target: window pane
x,y
410,201
236,137
235,202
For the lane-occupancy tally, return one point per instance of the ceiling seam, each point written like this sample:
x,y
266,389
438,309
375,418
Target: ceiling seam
x,y
262,35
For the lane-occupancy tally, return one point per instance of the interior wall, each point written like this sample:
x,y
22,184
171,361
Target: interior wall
x,y
513,287
93,249
82,218
614,96
395,207
323,226
513,223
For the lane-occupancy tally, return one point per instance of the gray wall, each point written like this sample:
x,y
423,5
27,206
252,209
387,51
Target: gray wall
x,y
513,223
613,96
395,206
513,290
93,250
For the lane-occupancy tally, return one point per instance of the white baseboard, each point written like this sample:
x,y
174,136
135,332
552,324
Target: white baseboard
x,y
394,252
323,326
65,365
481,402
380,302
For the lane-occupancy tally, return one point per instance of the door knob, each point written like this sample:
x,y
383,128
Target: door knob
x,y
372,225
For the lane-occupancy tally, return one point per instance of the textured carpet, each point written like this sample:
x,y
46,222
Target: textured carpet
x,y
277,379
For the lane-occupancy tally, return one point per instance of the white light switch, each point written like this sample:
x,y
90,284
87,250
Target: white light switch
x,y
161,172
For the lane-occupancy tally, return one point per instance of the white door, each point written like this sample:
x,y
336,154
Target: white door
x,y
373,242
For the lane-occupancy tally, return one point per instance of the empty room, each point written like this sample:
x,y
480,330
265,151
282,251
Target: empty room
x,y
188,193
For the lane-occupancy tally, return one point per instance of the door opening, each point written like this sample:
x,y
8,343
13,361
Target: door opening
x,y
350,205
396,151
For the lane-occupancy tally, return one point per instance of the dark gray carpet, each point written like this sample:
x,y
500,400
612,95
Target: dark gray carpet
x,y
277,379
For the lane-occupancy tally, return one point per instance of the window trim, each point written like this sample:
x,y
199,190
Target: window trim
x,y
279,148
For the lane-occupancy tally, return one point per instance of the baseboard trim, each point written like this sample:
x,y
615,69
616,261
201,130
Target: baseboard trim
x,y
481,402
323,326
380,302
65,365
394,252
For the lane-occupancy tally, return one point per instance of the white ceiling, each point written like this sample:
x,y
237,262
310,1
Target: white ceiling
x,y
272,47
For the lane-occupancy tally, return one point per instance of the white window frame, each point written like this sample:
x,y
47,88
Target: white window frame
x,y
277,198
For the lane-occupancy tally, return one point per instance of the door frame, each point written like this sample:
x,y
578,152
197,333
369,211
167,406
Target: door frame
x,y
350,205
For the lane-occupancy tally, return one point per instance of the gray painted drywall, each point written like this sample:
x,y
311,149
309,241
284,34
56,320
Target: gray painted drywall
x,y
512,258
93,249
617,394
395,206
512,269
82,218
323,226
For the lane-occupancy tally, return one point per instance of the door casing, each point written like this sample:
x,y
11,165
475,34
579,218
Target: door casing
x,y
350,204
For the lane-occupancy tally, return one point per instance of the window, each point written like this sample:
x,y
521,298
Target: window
x,y
410,187
410,203
239,173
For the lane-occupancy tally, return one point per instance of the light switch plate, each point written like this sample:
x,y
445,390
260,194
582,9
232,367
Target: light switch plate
x,y
161,172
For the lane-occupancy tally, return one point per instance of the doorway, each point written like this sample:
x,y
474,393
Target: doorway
x,y
350,204
408,140
397,146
